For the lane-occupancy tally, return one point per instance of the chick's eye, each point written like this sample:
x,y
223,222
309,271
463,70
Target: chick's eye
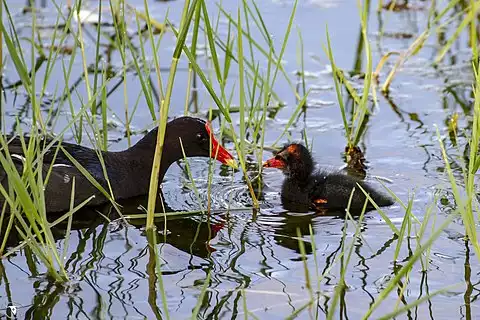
x,y
201,137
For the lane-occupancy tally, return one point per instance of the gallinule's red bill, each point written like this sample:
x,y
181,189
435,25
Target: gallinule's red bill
x,y
128,171
316,190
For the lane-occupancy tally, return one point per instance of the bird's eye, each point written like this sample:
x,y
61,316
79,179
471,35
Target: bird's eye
x,y
201,137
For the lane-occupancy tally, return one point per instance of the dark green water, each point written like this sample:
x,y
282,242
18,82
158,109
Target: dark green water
x,y
108,263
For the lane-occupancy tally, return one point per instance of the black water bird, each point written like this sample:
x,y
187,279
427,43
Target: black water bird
x,y
128,171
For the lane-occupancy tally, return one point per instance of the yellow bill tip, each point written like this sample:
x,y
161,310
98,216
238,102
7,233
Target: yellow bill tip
x,y
232,163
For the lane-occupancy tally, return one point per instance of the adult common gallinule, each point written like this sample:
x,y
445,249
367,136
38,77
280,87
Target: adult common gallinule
x,y
128,171
309,190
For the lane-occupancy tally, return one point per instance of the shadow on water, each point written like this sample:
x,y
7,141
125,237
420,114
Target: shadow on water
x,y
95,228
183,233
233,240
190,235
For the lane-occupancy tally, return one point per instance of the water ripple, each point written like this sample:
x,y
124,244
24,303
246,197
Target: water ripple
x,y
223,194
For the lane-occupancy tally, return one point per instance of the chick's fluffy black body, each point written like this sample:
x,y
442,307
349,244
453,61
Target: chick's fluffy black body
x,y
306,189
330,190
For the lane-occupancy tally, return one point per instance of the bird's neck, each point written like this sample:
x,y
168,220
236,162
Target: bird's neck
x,y
137,163
141,158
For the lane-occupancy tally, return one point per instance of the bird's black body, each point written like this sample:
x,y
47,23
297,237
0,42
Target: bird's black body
x,y
128,171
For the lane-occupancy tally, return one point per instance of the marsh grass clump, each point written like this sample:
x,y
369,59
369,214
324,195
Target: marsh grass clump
x,y
464,192
356,117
